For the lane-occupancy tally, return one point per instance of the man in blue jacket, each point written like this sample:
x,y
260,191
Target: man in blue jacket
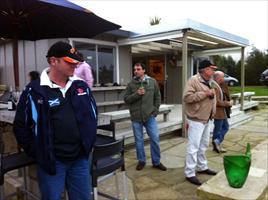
x,y
56,122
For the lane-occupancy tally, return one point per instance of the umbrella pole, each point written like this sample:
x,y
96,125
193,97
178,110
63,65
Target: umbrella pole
x,y
16,63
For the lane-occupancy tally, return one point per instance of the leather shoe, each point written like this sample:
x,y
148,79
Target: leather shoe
x,y
216,147
193,180
207,171
160,166
222,150
140,166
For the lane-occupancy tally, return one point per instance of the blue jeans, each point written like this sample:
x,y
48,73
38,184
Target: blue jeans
x,y
75,175
152,131
221,127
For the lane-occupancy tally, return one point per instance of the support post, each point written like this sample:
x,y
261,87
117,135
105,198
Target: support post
x,y
242,78
16,63
184,76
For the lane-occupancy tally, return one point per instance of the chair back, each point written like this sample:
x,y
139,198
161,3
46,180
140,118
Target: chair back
x,y
107,158
12,162
105,150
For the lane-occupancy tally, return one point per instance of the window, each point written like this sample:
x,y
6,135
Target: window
x,y
101,58
106,64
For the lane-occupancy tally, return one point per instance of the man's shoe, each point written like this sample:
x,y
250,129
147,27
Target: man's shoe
x,y
140,166
160,166
216,147
222,150
193,180
207,171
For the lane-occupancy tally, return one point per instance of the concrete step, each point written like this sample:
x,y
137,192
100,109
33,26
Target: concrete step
x,y
261,98
163,127
239,119
235,108
250,104
247,105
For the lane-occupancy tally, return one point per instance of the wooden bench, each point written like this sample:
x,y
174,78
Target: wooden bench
x,y
254,188
237,97
110,103
108,120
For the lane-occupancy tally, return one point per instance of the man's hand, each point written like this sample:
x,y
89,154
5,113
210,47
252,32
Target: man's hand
x,y
141,91
210,93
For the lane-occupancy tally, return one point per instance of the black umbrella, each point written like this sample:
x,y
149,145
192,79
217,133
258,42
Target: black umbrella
x,y
43,19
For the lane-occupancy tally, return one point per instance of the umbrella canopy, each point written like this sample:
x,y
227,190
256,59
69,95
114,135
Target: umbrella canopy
x,y
44,19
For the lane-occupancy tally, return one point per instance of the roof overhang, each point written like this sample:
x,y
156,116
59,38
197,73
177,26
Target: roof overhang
x,y
165,39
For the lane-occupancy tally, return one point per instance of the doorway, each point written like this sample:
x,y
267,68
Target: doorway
x,y
156,69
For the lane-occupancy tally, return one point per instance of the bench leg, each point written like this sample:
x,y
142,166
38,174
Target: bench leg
x,y
234,101
113,128
166,116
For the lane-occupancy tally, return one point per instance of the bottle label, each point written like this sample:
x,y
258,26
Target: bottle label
x,y
10,105
141,84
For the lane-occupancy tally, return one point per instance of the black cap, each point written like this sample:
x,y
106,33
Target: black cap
x,y
65,51
206,63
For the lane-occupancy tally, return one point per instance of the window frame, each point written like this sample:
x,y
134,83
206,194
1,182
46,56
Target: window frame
x,y
104,43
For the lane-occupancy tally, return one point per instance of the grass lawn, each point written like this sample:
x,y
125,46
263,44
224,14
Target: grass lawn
x,y
259,90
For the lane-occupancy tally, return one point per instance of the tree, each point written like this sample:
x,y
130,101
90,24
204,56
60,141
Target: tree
x,y
154,21
226,64
256,63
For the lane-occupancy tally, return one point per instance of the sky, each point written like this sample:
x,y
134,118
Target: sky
x,y
247,19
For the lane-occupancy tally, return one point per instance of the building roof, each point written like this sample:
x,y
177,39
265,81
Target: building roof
x,y
200,37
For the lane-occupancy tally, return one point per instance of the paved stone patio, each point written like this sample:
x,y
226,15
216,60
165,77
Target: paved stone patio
x,y
152,184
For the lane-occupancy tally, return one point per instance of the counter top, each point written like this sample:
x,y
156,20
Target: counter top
x,y
108,88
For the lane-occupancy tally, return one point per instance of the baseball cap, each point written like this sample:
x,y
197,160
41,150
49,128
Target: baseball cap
x,y
206,63
65,51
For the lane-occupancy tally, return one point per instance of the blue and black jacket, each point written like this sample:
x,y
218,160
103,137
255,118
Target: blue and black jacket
x,y
32,123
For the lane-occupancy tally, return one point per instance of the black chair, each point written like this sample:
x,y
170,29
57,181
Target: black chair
x,y
103,139
106,160
12,162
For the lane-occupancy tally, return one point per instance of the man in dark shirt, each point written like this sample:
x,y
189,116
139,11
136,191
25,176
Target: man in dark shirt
x,y
56,123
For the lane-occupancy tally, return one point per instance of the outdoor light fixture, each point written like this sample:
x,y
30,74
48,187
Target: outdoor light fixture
x,y
173,41
202,40
175,44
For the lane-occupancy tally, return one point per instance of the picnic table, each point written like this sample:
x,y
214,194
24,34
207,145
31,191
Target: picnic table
x,y
237,96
